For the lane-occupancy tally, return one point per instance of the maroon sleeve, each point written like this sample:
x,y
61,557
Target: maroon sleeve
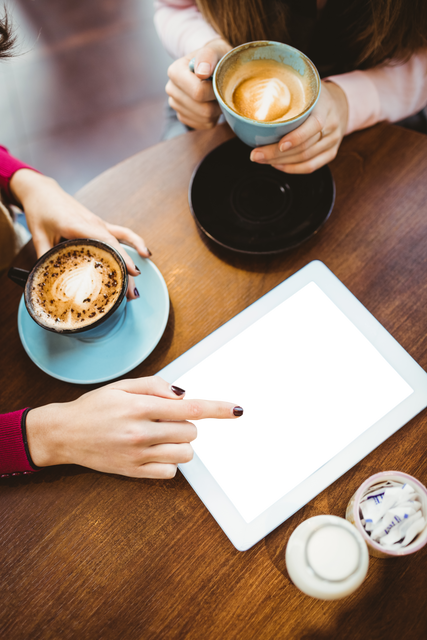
x,y
14,453
8,166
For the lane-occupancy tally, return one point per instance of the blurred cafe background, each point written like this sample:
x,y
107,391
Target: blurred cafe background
x,y
86,88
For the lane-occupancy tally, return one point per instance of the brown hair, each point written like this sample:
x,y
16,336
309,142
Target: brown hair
x,y
374,31
240,21
7,38
395,29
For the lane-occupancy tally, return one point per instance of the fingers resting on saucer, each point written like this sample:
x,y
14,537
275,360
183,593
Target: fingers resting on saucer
x,y
129,237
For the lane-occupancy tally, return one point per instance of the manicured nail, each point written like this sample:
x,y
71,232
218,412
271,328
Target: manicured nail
x,y
148,251
285,146
136,293
137,268
238,411
177,390
257,156
204,68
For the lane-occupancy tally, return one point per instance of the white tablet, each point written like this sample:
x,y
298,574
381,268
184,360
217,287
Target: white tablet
x,y
322,384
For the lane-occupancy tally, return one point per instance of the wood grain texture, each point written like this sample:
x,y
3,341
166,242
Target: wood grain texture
x,y
87,555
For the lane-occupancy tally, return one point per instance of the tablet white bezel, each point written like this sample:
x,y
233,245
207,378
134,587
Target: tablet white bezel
x,y
243,535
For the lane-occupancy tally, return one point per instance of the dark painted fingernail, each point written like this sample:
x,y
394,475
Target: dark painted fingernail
x,y
238,411
148,251
136,293
177,390
137,268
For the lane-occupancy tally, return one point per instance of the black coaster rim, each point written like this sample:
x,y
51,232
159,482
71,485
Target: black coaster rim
x,y
296,187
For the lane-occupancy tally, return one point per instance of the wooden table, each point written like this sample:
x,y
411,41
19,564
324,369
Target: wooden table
x,y
87,555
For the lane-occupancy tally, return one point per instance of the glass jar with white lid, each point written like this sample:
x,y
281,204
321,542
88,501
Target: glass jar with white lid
x,y
326,557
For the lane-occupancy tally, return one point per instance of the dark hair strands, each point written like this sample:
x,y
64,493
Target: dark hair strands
x,y
395,29
377,31
240,21
7,37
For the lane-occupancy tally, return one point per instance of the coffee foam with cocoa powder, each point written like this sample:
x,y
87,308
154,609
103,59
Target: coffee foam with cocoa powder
x,y
266,90
75,287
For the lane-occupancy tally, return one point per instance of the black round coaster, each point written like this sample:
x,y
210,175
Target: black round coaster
x,y
253,208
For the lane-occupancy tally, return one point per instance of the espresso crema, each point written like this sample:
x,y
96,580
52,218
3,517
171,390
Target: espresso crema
x,y
266,90
75,287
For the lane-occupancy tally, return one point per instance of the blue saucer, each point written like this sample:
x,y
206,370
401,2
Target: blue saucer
x,y
72,360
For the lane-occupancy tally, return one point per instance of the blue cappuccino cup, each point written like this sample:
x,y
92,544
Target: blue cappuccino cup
x,y
257,132
90,320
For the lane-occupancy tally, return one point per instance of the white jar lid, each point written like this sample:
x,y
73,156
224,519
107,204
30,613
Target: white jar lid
x,y
326,557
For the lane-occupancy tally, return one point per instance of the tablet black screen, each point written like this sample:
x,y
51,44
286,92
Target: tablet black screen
x,y
309,383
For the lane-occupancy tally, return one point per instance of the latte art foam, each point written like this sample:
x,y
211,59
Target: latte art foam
x,y
266,90
75,287
264,99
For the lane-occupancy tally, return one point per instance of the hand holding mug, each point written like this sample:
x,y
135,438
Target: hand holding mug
x,y
309,134
265,90
52,214
191,94
316,141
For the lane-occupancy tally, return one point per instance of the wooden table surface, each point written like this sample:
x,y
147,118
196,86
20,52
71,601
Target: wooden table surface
x,y
91,555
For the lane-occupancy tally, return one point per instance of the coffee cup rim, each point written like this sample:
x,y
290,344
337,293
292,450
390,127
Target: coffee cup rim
x,y
68,243
264,43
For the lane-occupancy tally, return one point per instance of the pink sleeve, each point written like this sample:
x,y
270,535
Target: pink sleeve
x,y
14,453
181,27
8,166
389,92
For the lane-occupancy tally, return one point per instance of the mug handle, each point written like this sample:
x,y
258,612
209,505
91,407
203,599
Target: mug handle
x,y
18,276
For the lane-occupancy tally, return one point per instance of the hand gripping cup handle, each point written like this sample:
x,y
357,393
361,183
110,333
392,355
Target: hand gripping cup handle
x,y
192,67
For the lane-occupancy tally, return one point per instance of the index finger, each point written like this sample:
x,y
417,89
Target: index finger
x,y
163,409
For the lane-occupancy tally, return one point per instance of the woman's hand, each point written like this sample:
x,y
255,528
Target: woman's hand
x,y
316,141
136,428
191,94
52,214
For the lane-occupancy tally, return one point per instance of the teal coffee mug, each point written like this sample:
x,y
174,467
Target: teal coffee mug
x,y
265,90
76,289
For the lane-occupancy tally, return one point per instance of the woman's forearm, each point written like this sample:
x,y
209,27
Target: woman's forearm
x,y
9,165
388,92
